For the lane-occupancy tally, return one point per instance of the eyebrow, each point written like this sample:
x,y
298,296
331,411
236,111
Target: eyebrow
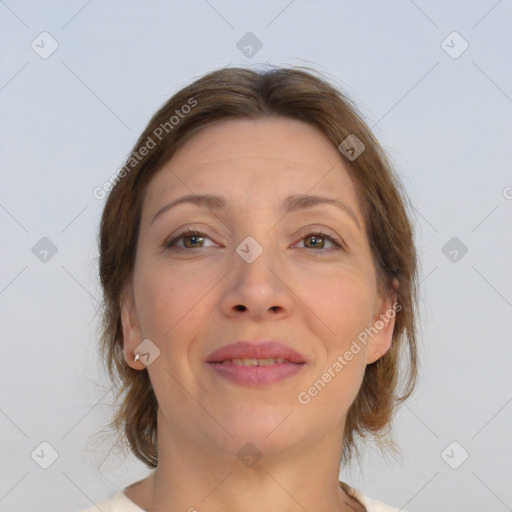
x,y
292,203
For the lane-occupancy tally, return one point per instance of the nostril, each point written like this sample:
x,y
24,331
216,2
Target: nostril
x,y
240,307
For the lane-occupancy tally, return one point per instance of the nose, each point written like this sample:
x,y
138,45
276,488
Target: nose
x,y
260,289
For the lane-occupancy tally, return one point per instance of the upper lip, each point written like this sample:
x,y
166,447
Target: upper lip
x,y
255,350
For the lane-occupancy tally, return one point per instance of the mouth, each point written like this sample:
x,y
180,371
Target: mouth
x,y
264,351
256,372
256,363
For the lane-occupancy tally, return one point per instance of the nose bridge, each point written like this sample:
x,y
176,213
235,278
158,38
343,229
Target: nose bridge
x,y
257,284
256,238
256,260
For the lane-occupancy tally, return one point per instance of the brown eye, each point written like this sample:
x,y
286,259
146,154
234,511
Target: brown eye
x,y
192,239
317,241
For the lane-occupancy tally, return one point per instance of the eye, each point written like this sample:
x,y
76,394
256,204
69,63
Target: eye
x,y
316,240
192,239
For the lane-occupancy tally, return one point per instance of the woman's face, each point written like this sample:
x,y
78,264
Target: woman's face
x,y
258,270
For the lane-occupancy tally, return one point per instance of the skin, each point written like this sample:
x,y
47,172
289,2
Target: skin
x,y
311,296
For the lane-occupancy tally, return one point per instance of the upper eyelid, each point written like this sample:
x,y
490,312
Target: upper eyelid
x,y
303,232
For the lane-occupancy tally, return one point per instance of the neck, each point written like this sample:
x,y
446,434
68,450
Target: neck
x,y
192,477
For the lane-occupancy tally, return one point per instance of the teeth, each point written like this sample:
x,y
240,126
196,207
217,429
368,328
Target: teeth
x,y
254,362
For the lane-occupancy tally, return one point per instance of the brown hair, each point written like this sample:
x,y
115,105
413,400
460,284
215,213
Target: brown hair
x,y
230,93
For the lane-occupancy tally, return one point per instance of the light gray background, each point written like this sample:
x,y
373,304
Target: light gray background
x,y
68,122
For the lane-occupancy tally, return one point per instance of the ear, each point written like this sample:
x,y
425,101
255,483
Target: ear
x,y
132,335
383,326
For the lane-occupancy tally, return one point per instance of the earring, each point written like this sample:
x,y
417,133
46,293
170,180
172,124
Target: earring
x,y
136,358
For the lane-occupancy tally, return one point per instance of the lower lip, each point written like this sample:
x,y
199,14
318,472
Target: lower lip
x,y
256,375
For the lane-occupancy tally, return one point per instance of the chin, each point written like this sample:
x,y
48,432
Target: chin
x,y
268,427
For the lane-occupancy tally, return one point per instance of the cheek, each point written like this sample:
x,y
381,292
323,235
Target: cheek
x,y
344,304
168,298
341,304
157,301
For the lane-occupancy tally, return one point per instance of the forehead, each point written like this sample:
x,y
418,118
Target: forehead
x,y
273,137
255,159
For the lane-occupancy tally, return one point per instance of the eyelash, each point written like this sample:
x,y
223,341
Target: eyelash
x,y
171,243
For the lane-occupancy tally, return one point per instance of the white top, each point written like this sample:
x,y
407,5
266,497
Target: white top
x,y
121,503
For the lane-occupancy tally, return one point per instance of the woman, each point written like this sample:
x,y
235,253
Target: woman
x,y
259,277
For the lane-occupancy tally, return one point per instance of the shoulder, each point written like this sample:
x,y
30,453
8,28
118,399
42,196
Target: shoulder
x,y
121,503
118,503
370,504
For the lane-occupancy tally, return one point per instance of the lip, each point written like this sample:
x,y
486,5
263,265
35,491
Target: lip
x,y
256,375
255,350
